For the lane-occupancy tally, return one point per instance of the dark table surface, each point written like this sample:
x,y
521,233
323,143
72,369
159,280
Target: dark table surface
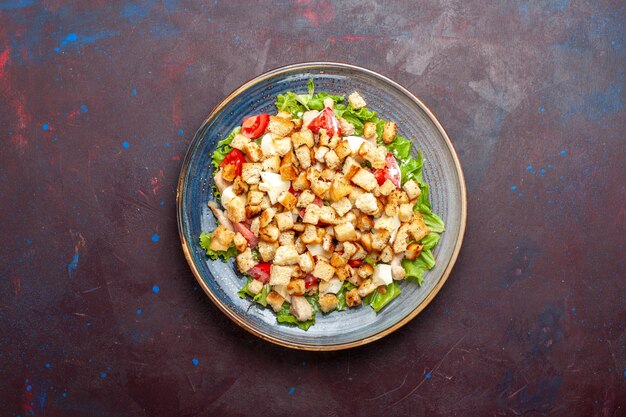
x,y
100,314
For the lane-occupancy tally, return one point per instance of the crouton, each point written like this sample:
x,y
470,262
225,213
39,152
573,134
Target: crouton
x,y
412,189
365,271
279,126
328,215
296,287
366,241
342,205
245,261
299,244
284,221
253,151
389,132
320,153
306,262
275,300
339,188
240,242
282,146
288,172
221,238
390,224
229,172
328,302
337,261
267,250
366,288
324,139
255,198
269,233
286,255
332,160
352,298
287,238
304,137
386,255
239,186
251,172
320,187
377,156
380,239
418,228
350,167
303,154
369,130
287,200
400,243
266,217
265,202
349,249
356,101
413,251
345,232
307,197
271,164
343,150
323,270
367,203
387,188
255,226
236,209
364,179
280,275
364,222
360,252
310,235
255,286
301,183
327,243
252,211
301,308
239,142
405,212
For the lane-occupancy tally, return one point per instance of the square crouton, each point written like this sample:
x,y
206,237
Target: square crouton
x,y
271,164
287,200
255,286
405,212
239,142
380,239
267,250
306,262
252,211
352,298
356,101
236,210
320,187
287,238
304,137
364,179
337,260
301,183
303,154
279,126
311,214
253,151
345,232
328,215
389,132
286,255
280,275
369,130
284,221
221,238
367,203
412,189
320,153
266,217
350,167
386,188
269,233
251,172
296,287
245,261
332,160
240,187
288,172
229,172
377,156
367,287
328,302
275,300
255,198
342,206
282,146
386,255
339,188
323,270
305,198
343,150
310,235
240,242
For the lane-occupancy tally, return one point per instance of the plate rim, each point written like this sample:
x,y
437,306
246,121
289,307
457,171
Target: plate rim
x,y
231,314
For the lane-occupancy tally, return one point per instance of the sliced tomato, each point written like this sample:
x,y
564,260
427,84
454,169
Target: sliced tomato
x,y
247,233
261,272
391,171
254,126
355,263
326,120
310,280
236,159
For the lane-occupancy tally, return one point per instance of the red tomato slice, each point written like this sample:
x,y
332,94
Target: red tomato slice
x,y
310,280
260,272
254,126
391,172
355,263
236,158
326,120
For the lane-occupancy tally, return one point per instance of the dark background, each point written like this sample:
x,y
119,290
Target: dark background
x,y
100,314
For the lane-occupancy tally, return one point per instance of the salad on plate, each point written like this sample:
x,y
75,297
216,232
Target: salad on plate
x,y
323,207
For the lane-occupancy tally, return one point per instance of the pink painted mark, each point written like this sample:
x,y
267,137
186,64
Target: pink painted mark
x,y
350,38
20,143
176,157
318,12
5,58
157,181
17,286
23,118
176,109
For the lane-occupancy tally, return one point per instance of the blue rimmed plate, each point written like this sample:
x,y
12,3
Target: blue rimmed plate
x,y
442,171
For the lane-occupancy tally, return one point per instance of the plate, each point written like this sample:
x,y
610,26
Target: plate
x,y
442,171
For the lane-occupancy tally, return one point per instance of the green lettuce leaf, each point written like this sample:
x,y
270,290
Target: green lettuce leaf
x,y
430,241
377,300
341,295
223,148
260,298
415,269
205,243
297,104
